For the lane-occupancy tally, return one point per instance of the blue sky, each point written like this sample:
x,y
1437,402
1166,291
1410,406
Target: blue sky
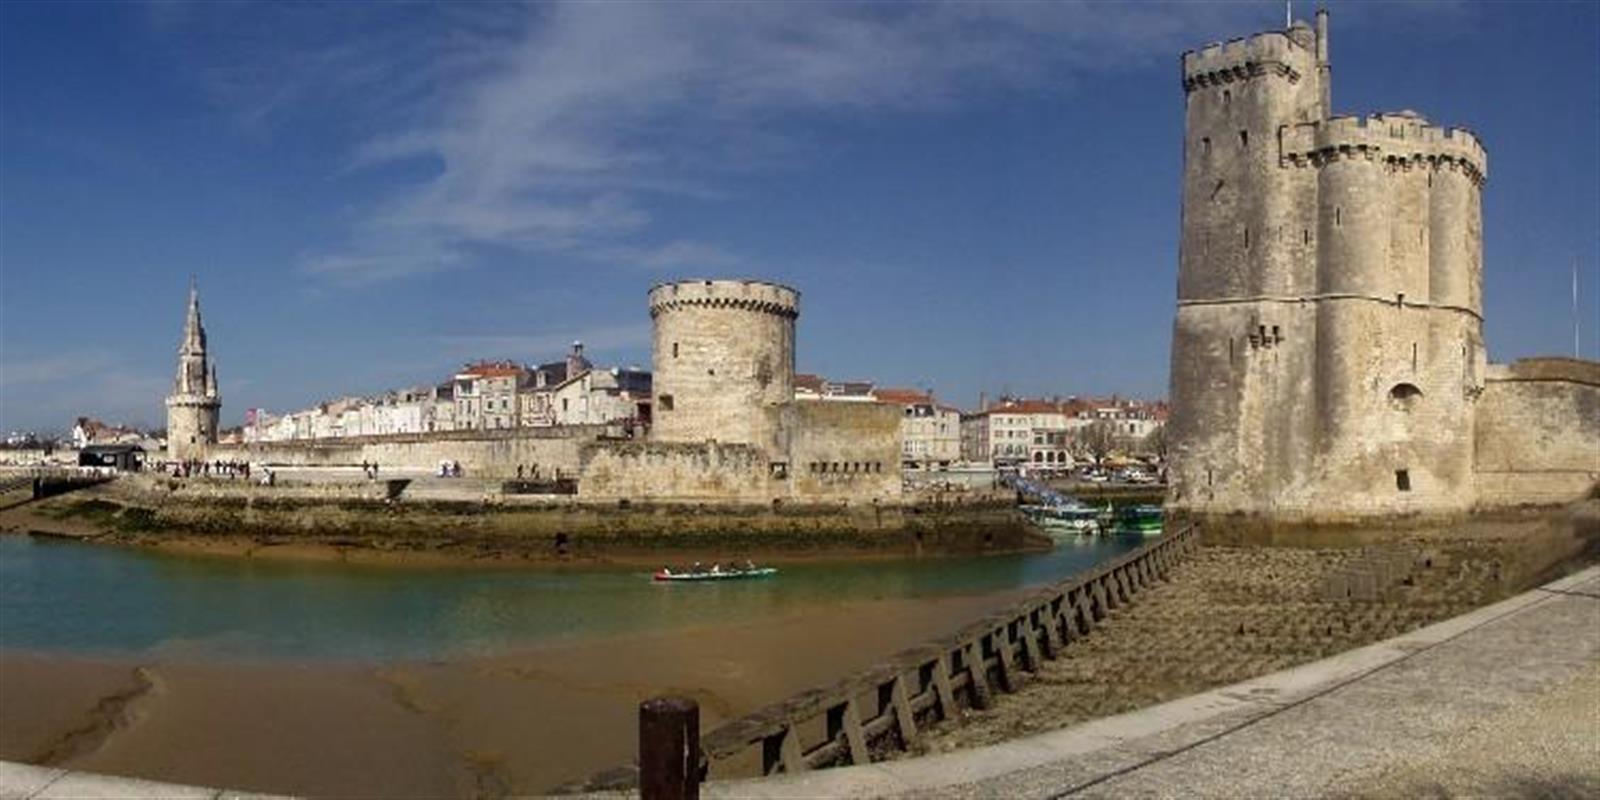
x,y
971,197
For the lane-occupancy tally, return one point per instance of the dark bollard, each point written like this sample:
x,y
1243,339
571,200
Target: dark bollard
x,y
670,766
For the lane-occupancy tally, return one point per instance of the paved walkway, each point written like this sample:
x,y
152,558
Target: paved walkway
x,y
1503,701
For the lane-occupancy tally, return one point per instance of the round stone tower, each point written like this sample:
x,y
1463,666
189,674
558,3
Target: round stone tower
x,y
724,356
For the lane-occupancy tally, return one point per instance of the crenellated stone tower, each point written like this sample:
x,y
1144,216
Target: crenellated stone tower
x,y
1327,352
194,404
723,352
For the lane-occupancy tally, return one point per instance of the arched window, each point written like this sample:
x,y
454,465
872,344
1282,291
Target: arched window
x,y
1404,396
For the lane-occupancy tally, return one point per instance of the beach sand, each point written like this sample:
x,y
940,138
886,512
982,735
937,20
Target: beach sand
x,y
520,722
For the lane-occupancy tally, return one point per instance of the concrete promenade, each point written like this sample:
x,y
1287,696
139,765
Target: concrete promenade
x,y
1503,701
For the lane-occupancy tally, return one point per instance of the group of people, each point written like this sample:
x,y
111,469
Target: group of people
x,y
449,469
196,468
369,469
233,470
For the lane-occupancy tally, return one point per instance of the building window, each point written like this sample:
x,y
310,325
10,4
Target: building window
x,y
1205,145
1244,139
1338,216
674,349
780,470
665,401
1402,480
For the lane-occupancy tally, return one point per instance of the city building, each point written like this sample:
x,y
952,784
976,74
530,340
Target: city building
x,y
930,433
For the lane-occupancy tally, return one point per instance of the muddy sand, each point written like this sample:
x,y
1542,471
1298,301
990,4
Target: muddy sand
x,y
511,724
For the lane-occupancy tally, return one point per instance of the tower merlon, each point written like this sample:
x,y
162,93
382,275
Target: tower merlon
x,y
1273,52
753,295
1401,136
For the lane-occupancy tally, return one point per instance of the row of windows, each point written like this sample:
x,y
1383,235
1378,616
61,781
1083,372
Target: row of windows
x,y
845,467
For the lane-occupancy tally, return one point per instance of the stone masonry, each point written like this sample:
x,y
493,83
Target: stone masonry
x,y
727,427
1328,358
194,405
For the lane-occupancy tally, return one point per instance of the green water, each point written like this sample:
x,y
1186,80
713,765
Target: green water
x,y
63,596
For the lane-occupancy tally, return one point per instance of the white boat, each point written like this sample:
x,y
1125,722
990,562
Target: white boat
x,y
1068,519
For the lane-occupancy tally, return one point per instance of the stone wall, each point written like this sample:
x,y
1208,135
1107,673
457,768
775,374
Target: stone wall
x,y
482,454
847,450
1538,432
676,471
834,452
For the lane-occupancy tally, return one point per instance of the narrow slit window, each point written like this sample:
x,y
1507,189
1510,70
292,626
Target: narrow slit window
x,y
1305,235
1205,145
674,349
1244,139
1402,480
1338,216
1247,238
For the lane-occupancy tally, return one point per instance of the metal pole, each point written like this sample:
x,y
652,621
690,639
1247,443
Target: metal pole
x,y
670,765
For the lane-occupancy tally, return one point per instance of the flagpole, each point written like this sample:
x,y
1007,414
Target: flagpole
x,y
1576,341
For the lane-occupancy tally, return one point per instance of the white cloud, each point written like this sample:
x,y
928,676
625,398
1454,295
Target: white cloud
x,y
541,346
50,369
55,388
560,138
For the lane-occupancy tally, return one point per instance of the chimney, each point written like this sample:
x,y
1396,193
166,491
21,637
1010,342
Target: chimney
x,y
1324,70
575,360
983,401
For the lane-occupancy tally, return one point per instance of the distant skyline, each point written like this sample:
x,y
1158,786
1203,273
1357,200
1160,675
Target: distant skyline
x,y
969,197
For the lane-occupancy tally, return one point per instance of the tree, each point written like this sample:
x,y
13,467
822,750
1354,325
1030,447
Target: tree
x,y
1099,438
1156,441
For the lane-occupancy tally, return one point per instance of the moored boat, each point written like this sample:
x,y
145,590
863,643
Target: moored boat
x,y
1142,520
1067,519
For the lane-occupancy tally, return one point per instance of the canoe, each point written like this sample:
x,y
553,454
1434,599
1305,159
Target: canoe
x,y
717,575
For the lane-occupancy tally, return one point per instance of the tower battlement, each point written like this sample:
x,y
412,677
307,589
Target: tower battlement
x,y
1400,139
748,295
1270,53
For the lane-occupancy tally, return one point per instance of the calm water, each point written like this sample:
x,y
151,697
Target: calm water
x,y
67,596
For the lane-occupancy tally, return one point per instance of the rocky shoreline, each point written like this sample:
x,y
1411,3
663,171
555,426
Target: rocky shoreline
x,y
439,532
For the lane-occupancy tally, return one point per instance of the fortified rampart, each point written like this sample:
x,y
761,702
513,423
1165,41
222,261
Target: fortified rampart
x,y
1328,358
481,454
1538,432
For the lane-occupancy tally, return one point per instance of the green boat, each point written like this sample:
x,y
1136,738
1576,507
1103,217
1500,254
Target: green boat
x,y
1142,520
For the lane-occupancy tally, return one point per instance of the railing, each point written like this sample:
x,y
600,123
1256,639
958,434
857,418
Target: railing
x,y
869,716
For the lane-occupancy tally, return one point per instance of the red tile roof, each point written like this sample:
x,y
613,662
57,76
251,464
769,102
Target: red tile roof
x,y
904,397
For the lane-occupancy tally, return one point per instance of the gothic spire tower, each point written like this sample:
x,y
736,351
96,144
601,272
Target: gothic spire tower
x,y
193,406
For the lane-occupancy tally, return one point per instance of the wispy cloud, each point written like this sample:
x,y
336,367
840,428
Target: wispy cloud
x,y
557,129
93,383
54,368
606,337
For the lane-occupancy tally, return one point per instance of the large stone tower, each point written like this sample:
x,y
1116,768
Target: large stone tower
x,y
723,353
1328,348
193,406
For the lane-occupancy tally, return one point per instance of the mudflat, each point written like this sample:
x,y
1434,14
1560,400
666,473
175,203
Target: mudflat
x,y
521,722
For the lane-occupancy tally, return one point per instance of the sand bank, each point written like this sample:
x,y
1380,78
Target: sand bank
x,y
515,723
